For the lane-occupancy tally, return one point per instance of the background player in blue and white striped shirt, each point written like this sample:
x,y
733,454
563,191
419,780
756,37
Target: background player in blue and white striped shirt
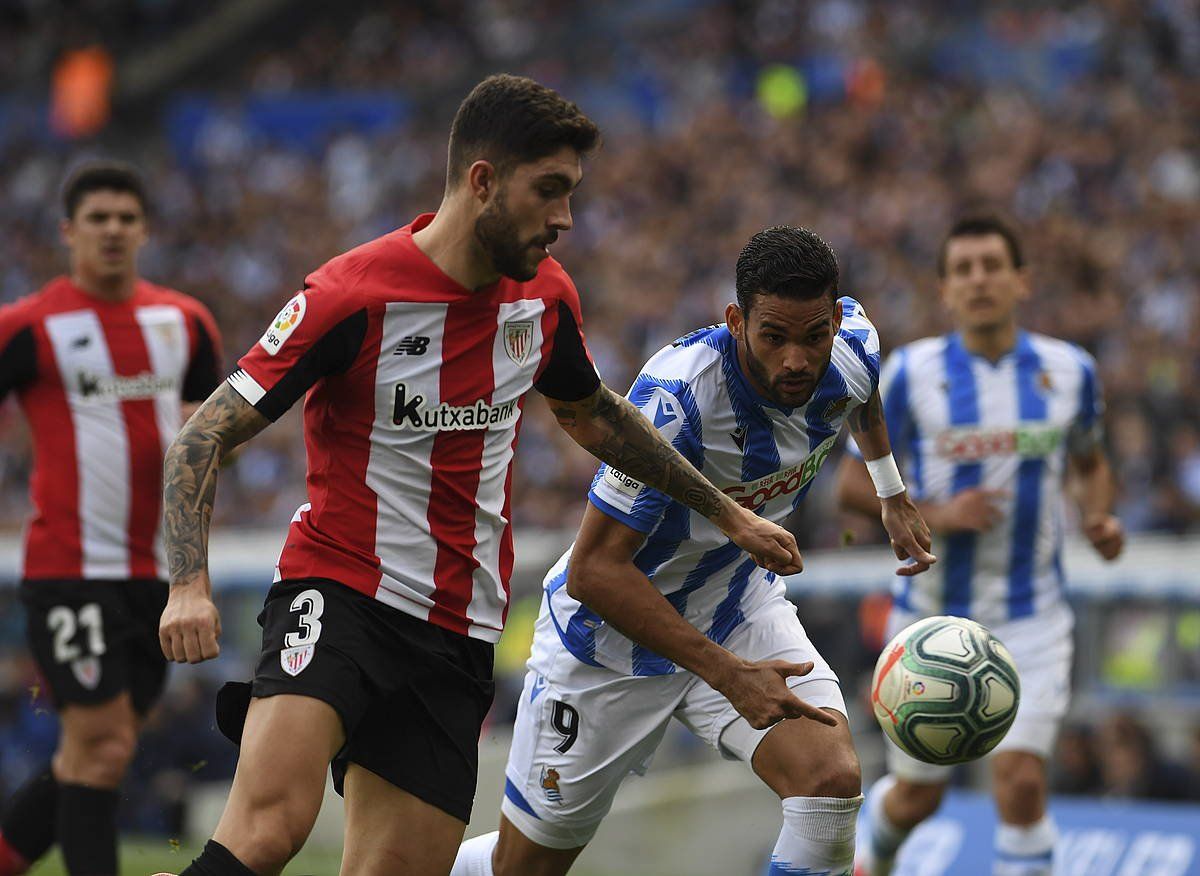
x,y
995,424
654,614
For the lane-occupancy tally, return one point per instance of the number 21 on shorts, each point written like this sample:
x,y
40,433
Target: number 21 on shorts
x,y
299,646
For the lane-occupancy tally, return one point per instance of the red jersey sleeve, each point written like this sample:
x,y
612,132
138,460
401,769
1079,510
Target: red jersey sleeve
x,y
204,367
568,374
319,332
18,349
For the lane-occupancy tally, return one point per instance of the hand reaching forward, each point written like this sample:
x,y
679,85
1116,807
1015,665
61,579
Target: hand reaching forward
x,y
760,693
908,533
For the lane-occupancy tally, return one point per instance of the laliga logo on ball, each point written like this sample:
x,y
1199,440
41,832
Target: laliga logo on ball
x,y
945,690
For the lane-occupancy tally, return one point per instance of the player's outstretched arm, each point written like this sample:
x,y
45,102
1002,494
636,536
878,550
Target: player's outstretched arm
x,y
905,526
603,576
611,428
190,626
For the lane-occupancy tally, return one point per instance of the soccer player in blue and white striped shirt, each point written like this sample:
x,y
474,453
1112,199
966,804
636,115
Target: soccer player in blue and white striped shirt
x,y
654,614
995,425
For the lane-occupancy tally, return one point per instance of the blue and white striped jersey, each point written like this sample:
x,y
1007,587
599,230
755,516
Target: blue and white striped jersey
x,y
957,421
763,455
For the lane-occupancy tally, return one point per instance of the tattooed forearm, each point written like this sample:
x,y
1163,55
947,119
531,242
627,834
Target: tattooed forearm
x,y
190,476
615,431
867,416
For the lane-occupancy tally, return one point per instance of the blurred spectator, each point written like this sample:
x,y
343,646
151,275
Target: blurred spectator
x,y
1131,766
1075,769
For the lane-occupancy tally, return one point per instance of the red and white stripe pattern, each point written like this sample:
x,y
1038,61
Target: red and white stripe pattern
x,y
411,446
103,409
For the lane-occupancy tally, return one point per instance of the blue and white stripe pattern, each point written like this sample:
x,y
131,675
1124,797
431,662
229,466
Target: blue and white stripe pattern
x,y
957,421
762,454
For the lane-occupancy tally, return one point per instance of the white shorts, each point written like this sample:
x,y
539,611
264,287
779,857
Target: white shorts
x,y
1042,646
581,729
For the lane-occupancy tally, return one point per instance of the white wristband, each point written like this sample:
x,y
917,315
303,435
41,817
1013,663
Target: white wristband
x,y
885,476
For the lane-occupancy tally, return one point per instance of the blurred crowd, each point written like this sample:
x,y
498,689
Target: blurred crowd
x,y
873,123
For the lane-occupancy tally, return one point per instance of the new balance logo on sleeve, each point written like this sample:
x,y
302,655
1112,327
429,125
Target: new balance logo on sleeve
x,y
413,345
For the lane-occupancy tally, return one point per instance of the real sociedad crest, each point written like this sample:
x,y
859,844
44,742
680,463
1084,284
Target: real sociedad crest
x,y
294,660
518,338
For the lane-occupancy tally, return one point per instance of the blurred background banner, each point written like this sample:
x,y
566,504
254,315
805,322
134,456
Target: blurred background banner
x,y
276,134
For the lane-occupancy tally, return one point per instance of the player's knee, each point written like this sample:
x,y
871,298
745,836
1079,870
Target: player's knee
x,y
274,834
98,755
840,776
1022,787
913,802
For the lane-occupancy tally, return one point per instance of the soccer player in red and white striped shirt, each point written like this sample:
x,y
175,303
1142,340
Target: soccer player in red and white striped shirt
x,y
99,361
415,353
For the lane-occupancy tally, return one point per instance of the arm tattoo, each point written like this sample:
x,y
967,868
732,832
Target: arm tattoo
x,y
190,475
625,439
866,416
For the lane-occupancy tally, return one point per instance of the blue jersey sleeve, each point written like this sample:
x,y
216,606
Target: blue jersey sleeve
x,y
671,408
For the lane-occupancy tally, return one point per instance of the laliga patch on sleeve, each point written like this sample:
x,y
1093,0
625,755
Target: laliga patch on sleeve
x,y
283,325
622,482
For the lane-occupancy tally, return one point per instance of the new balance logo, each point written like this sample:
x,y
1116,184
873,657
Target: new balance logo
x,y
413,345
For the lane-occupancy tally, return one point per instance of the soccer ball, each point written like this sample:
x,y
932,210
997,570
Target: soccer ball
x,y
945,690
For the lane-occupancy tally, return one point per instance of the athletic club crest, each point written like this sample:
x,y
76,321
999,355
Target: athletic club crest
x,y
87,671
294,660
518,338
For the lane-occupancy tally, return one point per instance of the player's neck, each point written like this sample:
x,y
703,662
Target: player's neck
x,y
449,242
991,342
106,288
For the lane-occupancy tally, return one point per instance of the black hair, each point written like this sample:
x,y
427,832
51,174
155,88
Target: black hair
x,y
511,120
786,261
981,225
95,176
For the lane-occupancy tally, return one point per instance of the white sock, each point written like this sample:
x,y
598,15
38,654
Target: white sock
x,y
883,838
817,836
475,856
1025,851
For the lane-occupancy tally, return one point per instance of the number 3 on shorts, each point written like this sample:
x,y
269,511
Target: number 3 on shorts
x,y
311,604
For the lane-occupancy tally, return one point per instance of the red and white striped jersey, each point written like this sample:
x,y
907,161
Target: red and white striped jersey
x,y
415,392
100,383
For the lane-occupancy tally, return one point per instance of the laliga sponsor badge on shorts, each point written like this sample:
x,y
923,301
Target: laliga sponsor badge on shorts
x,y
87,671
283,325
294,660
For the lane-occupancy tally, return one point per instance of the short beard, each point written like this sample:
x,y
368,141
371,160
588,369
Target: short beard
x,y
497,234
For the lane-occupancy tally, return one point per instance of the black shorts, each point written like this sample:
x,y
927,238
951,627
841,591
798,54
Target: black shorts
x,y
412,696
94,639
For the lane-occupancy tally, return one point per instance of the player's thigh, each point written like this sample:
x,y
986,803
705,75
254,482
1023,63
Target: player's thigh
x,y
518,855
286,745
579,731
772,632
389,830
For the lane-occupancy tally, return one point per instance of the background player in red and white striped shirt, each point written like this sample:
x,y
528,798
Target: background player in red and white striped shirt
x,y
99,361
416,352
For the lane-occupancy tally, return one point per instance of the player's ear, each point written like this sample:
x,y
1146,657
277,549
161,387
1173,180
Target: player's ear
x,y
1024,286
481,180
734,320
66,231
837,312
